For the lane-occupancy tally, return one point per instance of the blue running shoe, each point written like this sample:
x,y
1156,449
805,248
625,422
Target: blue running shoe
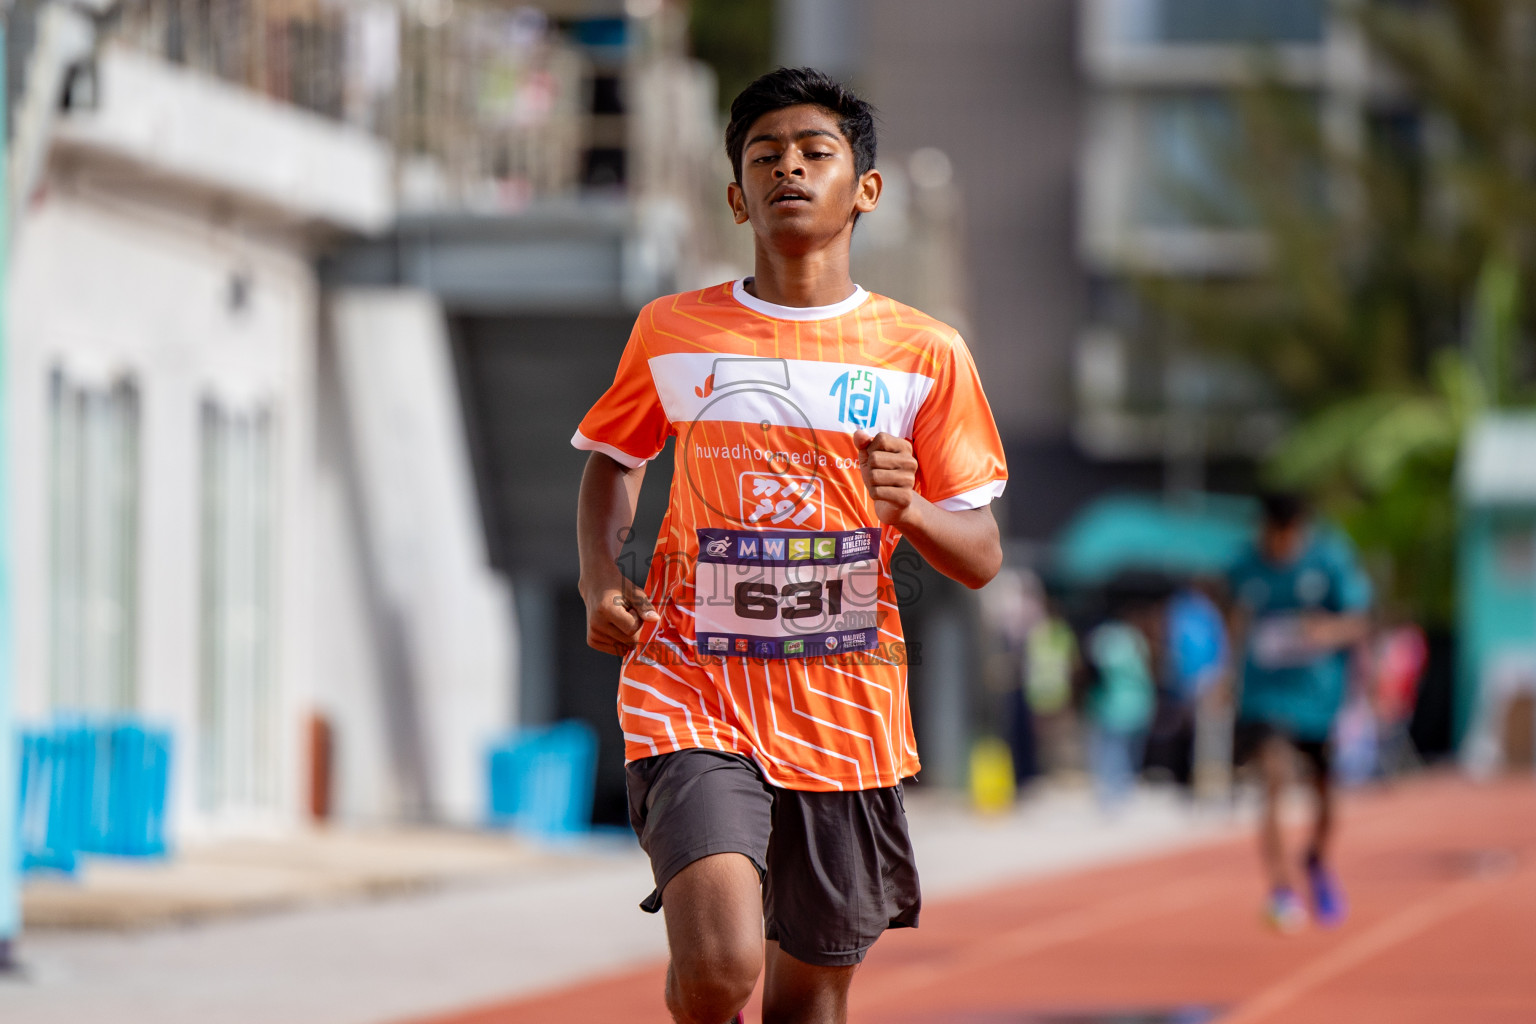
x,y
1284,912
1328,903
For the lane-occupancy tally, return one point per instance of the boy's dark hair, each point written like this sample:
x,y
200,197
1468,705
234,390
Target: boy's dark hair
x,y
1282,509
790,87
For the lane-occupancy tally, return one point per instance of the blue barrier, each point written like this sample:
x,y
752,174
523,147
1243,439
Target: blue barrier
x,y
47,841
92,788
541,779
130,822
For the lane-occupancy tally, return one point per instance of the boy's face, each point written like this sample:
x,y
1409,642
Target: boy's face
x,y
1281,545
798,184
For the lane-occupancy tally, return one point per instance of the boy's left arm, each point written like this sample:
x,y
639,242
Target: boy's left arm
x,y
964,545
1348,621
1337,631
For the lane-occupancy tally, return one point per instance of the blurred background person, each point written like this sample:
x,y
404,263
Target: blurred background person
x,y
1194,657
1121,696
1051,661
1011,607
1300,602
1402,652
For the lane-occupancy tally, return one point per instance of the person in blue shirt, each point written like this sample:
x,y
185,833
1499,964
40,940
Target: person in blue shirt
x,y
1299,603
1194,659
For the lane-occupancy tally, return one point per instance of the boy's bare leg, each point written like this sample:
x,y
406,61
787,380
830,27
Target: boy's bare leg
x,y
795,992
714,913
1275,772
1322,824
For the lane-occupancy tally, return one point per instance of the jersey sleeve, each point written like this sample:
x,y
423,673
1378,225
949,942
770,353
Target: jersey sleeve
x,y
628,424
1350,587
960,463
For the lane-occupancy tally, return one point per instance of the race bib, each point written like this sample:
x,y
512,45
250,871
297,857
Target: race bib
x,y
788,594
1280,641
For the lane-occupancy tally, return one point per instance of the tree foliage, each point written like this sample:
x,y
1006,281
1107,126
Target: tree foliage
x,y
735,38
1399,238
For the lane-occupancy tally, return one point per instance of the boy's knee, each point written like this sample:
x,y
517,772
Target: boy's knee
x,y
711,987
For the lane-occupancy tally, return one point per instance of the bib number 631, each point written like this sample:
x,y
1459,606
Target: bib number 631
x,y
808,600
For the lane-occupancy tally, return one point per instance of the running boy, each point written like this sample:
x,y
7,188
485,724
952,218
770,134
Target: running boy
x,y
1301,603
762,691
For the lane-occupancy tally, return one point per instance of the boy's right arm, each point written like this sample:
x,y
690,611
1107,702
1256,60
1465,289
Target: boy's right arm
x,y
616,608
1238,621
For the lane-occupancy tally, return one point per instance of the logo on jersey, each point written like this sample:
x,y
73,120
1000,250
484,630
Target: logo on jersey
x,y
859,396
719,548
776,437
768,499
741,646
719,643
765,648
831,643
794,646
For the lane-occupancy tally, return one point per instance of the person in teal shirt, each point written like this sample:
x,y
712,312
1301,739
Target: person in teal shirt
x,y
1121,701
1299,603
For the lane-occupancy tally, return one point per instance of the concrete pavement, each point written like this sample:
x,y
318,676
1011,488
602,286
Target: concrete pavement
x,y
552,920
244,876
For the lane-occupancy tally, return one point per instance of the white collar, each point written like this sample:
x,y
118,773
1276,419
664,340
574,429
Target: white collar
x,y
837,309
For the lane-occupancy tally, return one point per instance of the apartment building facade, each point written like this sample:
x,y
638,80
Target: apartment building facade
x,y
197,546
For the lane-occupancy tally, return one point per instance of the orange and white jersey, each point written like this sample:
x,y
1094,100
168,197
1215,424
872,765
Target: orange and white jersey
x,y
779,636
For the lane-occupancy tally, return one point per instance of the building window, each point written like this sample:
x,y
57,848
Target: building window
x,y
1187,172
238,709
93,564
1180,166
1218,22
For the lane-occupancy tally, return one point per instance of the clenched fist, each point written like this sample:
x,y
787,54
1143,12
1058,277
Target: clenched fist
x,y
615,614
889,470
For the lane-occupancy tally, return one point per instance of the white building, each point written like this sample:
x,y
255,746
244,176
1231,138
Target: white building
x,y
218,525
250,497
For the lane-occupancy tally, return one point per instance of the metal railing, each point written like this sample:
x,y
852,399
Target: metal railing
x,y
486,106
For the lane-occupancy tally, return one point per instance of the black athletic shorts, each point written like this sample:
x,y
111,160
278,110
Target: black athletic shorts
x,y
837,868
1248,735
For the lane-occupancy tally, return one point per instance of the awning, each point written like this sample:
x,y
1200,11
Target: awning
x,y
1195,536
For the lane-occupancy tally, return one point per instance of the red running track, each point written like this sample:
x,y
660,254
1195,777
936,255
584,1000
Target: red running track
x,y
1441,876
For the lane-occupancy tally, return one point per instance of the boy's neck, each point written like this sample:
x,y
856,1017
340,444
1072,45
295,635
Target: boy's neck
x,y
815,279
